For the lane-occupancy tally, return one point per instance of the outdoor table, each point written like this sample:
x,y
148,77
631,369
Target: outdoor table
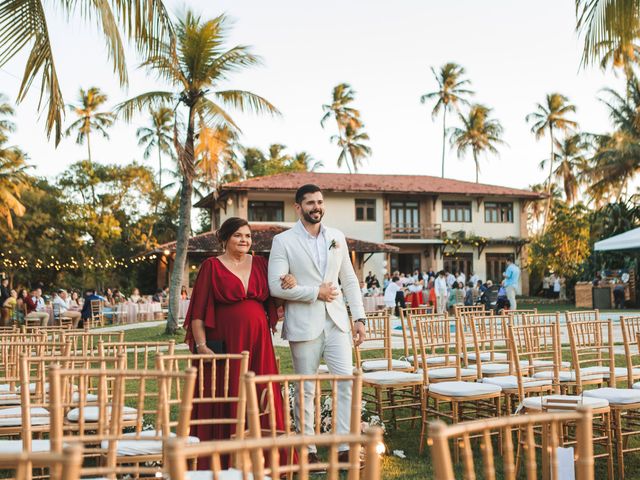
x,y
129,312
373,304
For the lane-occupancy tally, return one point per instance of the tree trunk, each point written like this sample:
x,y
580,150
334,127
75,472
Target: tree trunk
x,y
475,159
444,135
548,208
184,228
159,168
346,160
89,147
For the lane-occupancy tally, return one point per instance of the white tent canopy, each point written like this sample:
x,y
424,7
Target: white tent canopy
x,y
623,241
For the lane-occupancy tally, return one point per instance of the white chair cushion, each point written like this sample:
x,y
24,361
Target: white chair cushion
x,y
450,372
433,360
545,363
463,389
374,365
5,387
535,403
391,377
618,371
323,368
15,446
128,448
91,398
231,474
11,417
511,382
486,356
7,398
92,414
570,376
494,368
636,386
615,396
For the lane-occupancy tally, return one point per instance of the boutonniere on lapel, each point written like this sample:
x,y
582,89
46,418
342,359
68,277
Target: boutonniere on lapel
x,y
333,244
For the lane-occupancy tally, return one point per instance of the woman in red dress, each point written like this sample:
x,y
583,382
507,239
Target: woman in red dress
x,y
230,308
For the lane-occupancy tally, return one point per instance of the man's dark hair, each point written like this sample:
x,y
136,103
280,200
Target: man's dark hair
x,y
229,227
89,291
304,189
395,279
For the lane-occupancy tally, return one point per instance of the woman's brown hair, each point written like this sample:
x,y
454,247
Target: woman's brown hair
x,y
229,227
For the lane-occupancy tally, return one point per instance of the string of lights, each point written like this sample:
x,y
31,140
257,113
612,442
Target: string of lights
x,y
12,261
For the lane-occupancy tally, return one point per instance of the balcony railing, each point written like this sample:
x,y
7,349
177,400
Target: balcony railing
x,y
412,231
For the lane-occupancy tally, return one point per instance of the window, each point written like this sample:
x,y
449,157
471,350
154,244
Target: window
x,y
456,211
405,218
365,210
260,211
496,265
460,262
495,212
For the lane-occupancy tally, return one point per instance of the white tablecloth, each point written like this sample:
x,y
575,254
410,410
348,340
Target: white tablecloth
x,y
182,308
372,304
129,312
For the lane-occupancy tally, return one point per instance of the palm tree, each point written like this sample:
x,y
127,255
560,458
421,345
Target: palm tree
x,y
451,93
351,147
479,133
24,25
346,117
606,23
13,182
551,116
215,154
304,162
620,55
571,161
6,126
90,118
158,135
195,69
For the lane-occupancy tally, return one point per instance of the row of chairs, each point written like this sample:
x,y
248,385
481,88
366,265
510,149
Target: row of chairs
x,y
477,365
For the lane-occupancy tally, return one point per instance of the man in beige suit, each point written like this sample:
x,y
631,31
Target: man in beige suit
x,y
316,319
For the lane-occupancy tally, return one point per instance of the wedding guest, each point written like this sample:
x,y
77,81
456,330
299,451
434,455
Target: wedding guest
x,y
31,302
158,297
231,311
9,307
63,303
184,294
135,296
441,290
75,302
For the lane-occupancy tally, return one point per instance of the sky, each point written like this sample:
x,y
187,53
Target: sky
x,y
514,53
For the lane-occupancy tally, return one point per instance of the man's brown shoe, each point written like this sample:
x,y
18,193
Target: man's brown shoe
x,y
312,458
343,457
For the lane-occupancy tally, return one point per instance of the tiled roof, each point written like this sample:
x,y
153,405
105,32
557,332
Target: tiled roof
x,y
344,182
262,236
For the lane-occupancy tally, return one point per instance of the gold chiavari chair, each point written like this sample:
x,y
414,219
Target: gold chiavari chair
x,y
124,436
97,315
253,455
395,385
449,391
408,329
513,431
298,391
623,402
140,355
86,342
537,354
583,316
630,327
220,388
490,352
62,466
417,359
378,347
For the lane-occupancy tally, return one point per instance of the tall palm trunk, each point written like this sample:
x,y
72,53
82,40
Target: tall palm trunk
x,y
444,135
159,167
475,159
89,146
548,208
184,226
346,160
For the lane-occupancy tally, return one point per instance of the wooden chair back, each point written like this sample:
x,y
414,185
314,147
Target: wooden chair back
x,y
86,342
630,327
592,354
541,318
103,418
261,402
408,327
583,316
140,355
522,427
438,345
213,385
253,456
377,345
491,345
97,315
536,350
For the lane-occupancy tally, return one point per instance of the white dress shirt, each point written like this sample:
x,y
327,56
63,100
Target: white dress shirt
x,y
441,286
390,294
64,306
318,247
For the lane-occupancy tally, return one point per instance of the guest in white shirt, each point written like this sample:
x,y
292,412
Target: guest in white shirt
x,y
462,278
135,296
442,295
474,278
38,300
363,288
450,279
393,295
62,301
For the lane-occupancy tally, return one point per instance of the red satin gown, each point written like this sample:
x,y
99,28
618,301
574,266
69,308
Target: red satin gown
x,y
242,320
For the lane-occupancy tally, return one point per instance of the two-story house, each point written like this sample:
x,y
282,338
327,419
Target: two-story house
x,y
435,223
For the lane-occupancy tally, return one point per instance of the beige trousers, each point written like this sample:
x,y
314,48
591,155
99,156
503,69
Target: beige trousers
x,y
42,316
